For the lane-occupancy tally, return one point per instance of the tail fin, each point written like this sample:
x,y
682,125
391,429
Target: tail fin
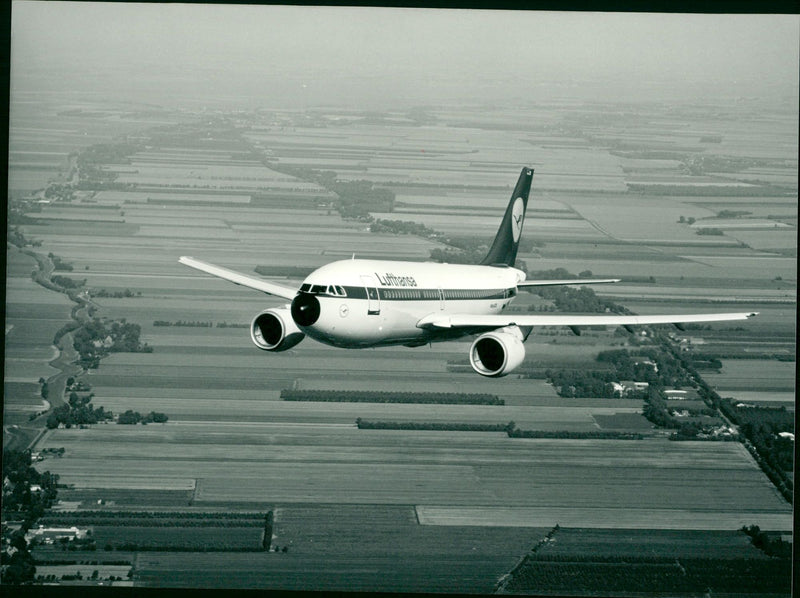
x,y
504,248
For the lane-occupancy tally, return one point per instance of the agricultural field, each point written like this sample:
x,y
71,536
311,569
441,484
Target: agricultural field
x,y
588,561
45,129
666,543
249,463
398,510
753,375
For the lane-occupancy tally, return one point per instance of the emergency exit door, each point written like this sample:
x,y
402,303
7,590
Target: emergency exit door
x,y
373,299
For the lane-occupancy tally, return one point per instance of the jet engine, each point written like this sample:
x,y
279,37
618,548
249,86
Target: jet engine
x,y
497,353
275,330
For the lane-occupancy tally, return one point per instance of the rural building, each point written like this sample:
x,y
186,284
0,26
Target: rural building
x,y
649,362
676,394
723,431
50,534
626,387
106,342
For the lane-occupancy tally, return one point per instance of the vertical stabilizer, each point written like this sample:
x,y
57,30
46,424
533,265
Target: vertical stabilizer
x,y
504,248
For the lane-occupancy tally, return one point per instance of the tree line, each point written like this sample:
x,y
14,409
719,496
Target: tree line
x,y
20,501
131,417
510,429
127,293
582,300
184,323
773,546
366,396
78,411
434,426
99,337
156,518
356,199
763,426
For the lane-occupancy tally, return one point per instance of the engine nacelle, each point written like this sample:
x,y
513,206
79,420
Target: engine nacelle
x,y
275,330
497,353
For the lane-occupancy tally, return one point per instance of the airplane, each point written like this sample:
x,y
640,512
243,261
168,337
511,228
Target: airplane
x,y
359,303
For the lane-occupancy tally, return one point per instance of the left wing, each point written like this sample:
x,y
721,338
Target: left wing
x,y
501,320
238,278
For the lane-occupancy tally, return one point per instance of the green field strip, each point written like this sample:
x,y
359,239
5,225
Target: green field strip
x,y
641,518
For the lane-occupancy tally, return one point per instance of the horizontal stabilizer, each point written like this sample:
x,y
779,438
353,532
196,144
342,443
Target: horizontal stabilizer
x,y
237,278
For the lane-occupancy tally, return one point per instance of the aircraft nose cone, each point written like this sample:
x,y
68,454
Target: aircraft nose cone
x,y
305,309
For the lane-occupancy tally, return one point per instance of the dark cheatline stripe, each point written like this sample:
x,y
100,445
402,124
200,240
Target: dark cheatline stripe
x,y
414,294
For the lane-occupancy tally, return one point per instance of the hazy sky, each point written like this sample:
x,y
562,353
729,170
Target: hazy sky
x,y
332,54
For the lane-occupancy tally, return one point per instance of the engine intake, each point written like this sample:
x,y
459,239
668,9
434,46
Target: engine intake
x,y
497,353
275,330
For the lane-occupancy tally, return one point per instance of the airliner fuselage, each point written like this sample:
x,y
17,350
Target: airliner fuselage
x,y
367,303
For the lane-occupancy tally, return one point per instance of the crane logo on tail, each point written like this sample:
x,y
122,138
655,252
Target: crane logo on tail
x,y
517,215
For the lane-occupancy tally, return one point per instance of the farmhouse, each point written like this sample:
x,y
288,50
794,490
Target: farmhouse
x,y
626,387
50,534
676,394
106,342
724,431
649,362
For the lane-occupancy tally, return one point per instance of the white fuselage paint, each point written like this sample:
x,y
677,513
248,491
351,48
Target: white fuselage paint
x,y
406,293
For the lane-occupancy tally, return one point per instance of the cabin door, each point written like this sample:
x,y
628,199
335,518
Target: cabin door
x,y
373,299
441,298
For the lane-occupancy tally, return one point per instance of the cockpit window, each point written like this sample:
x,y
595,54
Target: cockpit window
x,y
322,289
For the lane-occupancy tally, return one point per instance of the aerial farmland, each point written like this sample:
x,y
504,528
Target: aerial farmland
x,y
459,508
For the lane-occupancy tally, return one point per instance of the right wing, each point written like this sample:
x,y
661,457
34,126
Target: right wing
x,y
566,281
501,320
235,277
